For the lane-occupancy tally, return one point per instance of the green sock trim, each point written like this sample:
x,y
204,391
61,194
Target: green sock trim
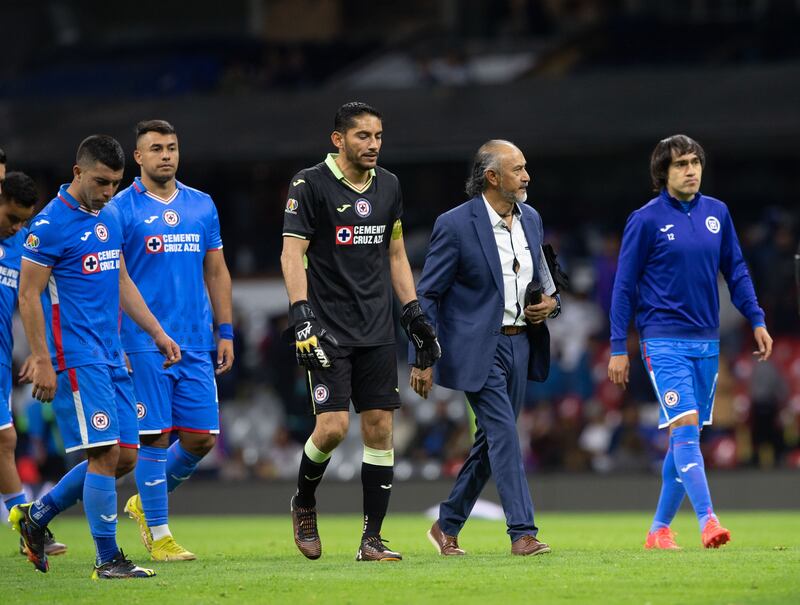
x,y
314,453
378,457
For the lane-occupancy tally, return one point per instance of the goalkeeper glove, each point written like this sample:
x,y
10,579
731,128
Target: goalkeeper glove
x,y
421,334
314,345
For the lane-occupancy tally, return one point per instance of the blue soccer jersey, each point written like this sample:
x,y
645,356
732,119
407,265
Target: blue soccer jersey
x,y
81,301
165,244
10,254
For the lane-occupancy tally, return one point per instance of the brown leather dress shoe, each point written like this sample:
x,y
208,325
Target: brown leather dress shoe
x,y
528,545
446,545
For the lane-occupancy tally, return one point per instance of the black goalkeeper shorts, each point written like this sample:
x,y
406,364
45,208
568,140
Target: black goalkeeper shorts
x,y
367,375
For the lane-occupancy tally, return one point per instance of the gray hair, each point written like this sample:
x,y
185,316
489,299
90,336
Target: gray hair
x,y
486,158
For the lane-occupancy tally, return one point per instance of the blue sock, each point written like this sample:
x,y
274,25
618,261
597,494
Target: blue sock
x,y
671,493
64,494
685,441
11,500
151,479
100,504
180,465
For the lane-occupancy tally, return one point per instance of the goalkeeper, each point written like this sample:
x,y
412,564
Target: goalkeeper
x,y
344,215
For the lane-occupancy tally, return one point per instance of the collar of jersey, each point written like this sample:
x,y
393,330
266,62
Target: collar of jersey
x,y
70,202
330,162
676,202
140,188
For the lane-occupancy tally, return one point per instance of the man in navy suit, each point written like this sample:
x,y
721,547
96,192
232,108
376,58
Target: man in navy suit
x,y
482,256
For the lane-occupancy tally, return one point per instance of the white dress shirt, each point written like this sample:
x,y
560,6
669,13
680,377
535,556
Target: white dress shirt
x,y
512,244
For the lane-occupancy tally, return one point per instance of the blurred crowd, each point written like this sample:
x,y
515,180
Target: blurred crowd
x,y
288,45
576,421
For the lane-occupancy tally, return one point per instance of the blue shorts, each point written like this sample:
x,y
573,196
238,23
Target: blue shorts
x,y
182,397
5,397
94,406
684,376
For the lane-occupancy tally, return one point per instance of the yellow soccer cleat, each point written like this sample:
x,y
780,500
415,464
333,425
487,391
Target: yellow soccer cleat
x,y
167,549
134,509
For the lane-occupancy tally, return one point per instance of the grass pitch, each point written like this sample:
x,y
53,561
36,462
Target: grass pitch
x,y
596,558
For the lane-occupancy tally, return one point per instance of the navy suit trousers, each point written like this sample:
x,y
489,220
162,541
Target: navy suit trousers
x,y
496,450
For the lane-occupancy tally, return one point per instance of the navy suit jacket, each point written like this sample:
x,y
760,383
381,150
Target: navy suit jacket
x,y
462,294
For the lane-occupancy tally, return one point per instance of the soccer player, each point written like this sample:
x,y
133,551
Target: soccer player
x,y
672,249
72,284
344,215
173,251
17,201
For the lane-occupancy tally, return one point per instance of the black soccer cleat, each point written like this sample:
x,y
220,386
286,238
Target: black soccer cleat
x,y
373,549
33,537
120,568
52,548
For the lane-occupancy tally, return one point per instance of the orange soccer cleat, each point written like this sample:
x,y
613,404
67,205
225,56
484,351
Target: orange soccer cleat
x,y
714,535
663,538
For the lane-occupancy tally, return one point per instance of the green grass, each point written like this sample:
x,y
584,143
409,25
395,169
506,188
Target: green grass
x,y
596,558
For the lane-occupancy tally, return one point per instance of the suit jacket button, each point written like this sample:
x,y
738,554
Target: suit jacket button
x,y
495,332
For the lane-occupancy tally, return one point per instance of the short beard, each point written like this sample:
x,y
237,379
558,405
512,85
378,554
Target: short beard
x,y
355,160
96,205
160,178
512,197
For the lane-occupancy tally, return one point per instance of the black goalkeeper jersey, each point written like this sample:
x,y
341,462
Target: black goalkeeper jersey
x,y
349,281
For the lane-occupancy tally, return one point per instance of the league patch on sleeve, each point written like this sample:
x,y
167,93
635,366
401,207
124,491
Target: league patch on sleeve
x,y
32,241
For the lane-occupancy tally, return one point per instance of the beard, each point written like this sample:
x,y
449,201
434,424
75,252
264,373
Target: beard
x,y
514,196
162,177
96,205
355,159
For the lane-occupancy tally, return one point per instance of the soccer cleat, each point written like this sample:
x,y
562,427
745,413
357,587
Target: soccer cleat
x,y
663,538
167,549
51,547
33,536
373,549
306,535
714,535
120,567
134,509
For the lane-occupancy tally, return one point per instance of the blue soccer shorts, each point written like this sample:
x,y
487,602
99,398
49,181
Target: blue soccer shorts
x,y
182,397
94,406
684,376
5,397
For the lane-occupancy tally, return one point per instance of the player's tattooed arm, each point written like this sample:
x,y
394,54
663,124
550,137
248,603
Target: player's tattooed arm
x,y
131,301
33,280
218,282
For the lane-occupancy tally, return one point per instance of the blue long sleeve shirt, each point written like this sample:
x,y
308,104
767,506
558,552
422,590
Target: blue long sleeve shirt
x,y
667,272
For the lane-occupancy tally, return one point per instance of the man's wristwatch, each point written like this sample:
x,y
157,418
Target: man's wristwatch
x,y
557,311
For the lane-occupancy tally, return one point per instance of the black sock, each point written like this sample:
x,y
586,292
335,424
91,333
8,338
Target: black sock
x,y
377,483
308,479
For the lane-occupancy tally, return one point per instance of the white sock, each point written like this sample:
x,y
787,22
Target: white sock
x,y
160,531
